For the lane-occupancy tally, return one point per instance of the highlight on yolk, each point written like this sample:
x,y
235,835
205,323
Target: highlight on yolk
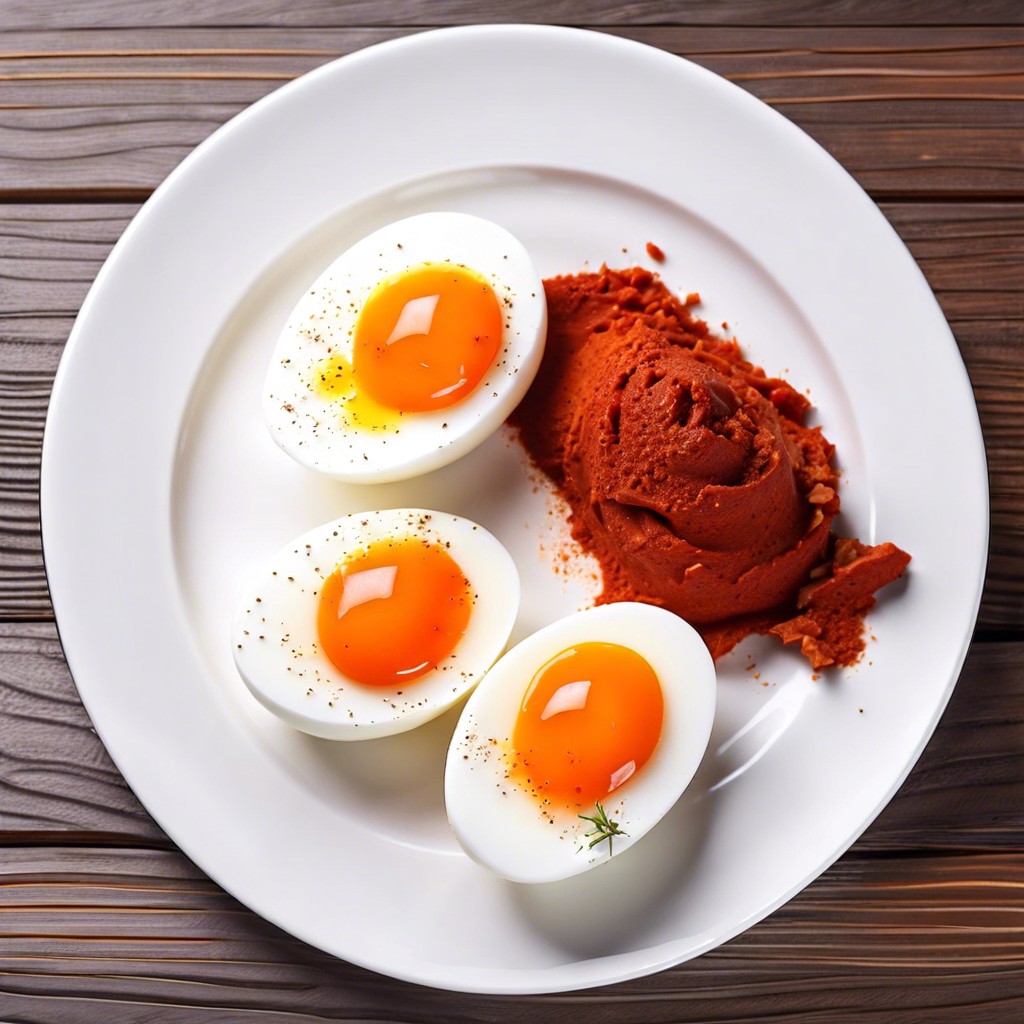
x,y
590,720
393,612
426,337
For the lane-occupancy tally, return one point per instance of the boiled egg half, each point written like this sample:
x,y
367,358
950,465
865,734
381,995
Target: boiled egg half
x,y
579,740
375,622
409,350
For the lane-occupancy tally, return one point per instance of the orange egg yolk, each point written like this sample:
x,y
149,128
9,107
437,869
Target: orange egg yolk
x,y
393,612
589,721
426,337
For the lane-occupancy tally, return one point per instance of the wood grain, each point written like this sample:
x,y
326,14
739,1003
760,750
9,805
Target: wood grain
x,y
116,111
142,929
55,775
51,14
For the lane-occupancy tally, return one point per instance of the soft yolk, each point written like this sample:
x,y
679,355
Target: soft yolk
x,y
589,721
426,337
393,612
333,378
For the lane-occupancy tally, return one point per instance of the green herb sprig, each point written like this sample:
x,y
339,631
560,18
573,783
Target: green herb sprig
x,y
604,828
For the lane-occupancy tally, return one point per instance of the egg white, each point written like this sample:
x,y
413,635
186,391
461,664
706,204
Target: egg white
x,y
316,430
501,825
274,633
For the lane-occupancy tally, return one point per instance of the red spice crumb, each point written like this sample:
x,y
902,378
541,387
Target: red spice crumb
x,y
602,328
655,252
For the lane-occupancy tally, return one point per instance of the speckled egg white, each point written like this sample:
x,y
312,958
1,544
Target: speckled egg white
x,y
274,635
499,823
322,432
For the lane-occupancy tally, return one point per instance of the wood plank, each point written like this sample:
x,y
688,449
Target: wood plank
x,y
49,257
48,260
55,775
973,258
116,935
50,14
928,110
967,791
941,59
971,253
23,402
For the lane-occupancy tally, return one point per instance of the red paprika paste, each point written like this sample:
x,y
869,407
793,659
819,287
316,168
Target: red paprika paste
x,y
690,473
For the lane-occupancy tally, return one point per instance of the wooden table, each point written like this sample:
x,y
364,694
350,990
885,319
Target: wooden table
x,y
101,918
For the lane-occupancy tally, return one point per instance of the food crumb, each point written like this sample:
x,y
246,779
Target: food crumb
x,y
655,252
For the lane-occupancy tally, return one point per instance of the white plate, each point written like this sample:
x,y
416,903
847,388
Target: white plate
x,y
161,488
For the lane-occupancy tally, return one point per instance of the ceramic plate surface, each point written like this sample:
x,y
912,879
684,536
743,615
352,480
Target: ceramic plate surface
x,y
161,490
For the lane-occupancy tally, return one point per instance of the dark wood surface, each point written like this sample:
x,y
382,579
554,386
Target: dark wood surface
x,y
102,919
